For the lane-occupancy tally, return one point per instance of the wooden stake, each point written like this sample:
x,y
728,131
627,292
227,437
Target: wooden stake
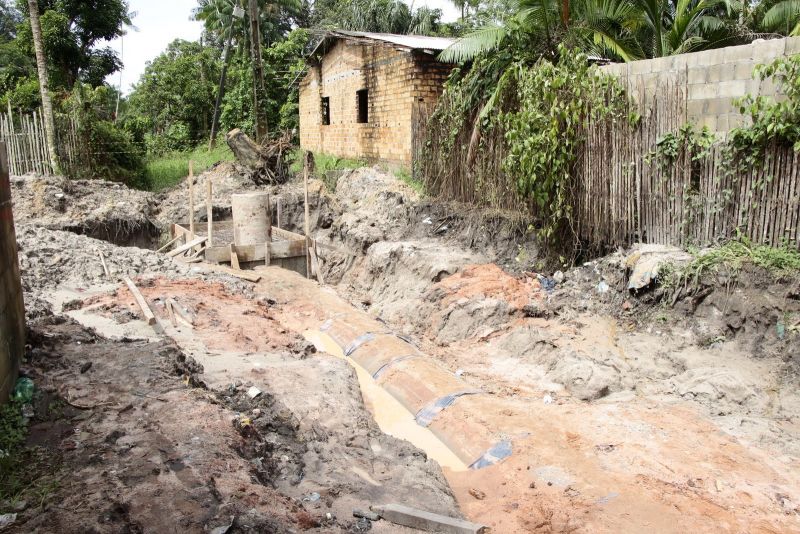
x,y
268,243
315,263
146,311
191,200
209,209
307,225
173,240
103,261
279,222
171,313
234,258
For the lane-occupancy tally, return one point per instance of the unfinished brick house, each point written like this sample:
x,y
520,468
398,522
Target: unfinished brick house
x,y
366,95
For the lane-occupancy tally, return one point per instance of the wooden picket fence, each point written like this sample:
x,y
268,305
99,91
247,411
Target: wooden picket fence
x,y
26,140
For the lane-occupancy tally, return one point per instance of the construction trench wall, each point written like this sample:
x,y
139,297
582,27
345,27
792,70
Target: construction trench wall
x,y
12,312
401,85
711,80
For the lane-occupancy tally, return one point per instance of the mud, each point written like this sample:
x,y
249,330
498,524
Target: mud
x,y
99,209
667,409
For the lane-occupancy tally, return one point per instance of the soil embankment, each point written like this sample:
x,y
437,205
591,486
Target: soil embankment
x,y
623,410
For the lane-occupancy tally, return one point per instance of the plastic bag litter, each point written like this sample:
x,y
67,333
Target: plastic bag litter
x,y
23,390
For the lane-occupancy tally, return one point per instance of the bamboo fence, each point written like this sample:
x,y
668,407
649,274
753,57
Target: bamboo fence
x,y
25,137
621,195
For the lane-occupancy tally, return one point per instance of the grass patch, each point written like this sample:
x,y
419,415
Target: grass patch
x,y
25,473
779,261
323,163
403,174
169,169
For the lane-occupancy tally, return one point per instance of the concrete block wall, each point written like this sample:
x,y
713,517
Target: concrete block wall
x,y
12,312
397,81
712,80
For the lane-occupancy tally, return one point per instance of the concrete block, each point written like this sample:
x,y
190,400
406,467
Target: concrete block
x,y
744,70
709,122
718,106
697,75
766,51
695,110
640,67
703,91
735,54
734,88
792,46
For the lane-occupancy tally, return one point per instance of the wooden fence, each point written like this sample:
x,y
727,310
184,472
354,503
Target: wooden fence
x,y
26,140
621,195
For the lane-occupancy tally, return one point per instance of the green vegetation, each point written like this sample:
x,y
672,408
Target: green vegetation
x,y
731,257
166,170
531,116
25,472
625,30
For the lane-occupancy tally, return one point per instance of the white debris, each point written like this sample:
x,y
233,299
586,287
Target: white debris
x,y
253,392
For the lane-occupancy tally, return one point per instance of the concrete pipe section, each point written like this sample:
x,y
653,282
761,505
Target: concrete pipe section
x,y
426,392
250,220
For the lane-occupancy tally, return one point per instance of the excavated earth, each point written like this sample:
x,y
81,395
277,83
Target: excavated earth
x,y
626,410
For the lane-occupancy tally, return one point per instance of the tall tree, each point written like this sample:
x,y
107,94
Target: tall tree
x,y
44,85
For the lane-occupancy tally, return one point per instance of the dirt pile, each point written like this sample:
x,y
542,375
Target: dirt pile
x,y
96,208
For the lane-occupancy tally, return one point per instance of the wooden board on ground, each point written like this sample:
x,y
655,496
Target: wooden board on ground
x,y
244,275
146,311
187,246
247,253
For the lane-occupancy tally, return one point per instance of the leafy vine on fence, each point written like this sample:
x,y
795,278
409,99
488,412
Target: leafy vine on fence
x,y
535,118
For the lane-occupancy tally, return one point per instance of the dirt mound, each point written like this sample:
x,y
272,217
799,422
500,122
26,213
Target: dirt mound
x,y
226,178
96,208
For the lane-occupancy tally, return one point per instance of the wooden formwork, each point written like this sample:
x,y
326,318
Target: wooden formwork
x,y
287,249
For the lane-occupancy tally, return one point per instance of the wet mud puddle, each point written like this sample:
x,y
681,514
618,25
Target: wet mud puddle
x,y
392,417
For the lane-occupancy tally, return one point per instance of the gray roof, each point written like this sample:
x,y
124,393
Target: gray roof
x,y
424,43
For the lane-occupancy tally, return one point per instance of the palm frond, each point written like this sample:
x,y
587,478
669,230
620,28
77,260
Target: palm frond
x,y
784,16
472,44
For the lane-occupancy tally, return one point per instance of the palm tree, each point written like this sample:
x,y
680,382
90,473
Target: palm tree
x,y
604,27
621,29
44,85
783,18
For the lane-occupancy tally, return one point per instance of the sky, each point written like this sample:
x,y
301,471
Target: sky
x,y
159,22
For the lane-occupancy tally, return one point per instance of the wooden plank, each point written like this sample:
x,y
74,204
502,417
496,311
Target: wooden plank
x,y
171,314
191,200
209,210
307,218
426,521
234,256
247,253
244,275
315,263
146,311
183,248
279,221
171,242
282,234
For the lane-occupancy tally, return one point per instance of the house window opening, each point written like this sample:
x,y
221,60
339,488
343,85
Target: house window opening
x,y
363,105
326,110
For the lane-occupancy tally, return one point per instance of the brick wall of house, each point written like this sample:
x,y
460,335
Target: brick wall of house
x,y
12,313
398,82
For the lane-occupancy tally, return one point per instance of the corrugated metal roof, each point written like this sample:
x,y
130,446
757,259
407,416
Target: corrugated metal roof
x,y
414,42
431,45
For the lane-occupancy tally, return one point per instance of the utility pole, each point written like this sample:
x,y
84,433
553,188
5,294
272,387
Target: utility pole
x,y
44,85
258,73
